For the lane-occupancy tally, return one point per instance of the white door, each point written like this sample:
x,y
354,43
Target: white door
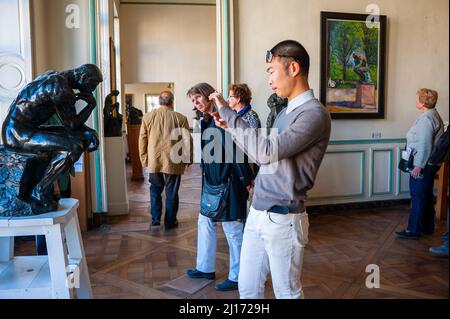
x,y
15,51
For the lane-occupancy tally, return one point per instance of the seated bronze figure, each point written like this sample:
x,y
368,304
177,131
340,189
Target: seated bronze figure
x,y
276,104
111,117
49,150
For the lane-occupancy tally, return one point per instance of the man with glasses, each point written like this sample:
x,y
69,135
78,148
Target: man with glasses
x,y
276,231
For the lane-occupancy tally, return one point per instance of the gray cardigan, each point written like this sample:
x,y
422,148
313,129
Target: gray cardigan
x,y
423,135
300,145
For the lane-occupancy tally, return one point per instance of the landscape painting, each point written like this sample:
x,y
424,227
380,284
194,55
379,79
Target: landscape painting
x,y
352,65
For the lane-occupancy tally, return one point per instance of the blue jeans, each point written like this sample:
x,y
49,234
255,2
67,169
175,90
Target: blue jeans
x,y
422,215
207,245
171,183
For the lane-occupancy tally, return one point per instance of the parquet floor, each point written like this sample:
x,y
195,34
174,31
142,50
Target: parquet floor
x,y
126,259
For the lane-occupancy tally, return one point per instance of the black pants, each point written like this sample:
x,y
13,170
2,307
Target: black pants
x,y
171,183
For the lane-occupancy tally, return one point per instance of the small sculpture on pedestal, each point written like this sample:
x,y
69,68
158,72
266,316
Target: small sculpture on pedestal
x,y
362,68
134,115
276,104
365,88
111,116
35,154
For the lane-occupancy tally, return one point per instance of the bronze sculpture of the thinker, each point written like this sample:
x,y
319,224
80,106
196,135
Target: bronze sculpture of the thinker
x,y
52,149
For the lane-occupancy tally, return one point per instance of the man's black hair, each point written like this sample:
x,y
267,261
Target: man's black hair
x,y
293,49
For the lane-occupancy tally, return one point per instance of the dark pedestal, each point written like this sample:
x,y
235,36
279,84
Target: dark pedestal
x,y
133,148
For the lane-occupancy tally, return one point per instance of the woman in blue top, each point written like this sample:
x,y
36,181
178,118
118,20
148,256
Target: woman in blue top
x,y
239,100
217,171
421,141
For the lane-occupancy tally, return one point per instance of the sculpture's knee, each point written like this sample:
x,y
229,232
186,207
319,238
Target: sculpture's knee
x,y
10,138
76,151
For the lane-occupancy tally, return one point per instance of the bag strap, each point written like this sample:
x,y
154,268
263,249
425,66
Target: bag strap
x,y
228,182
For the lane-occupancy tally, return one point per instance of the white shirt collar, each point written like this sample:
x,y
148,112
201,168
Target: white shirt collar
x,y
300,100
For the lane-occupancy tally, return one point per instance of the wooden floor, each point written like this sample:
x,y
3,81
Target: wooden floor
x,y
126,259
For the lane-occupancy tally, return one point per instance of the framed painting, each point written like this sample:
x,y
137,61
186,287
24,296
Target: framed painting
x,y
353,52
151,102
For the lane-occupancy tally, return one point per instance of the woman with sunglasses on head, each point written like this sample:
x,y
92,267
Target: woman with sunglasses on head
x,y
218,171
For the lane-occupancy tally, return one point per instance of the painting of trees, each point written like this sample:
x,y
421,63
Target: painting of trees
x,y
352,76
346,38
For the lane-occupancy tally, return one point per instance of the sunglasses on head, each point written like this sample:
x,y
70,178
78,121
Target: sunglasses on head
x,y
270,56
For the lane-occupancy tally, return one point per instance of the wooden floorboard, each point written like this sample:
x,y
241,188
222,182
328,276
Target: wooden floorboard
x,y
129,259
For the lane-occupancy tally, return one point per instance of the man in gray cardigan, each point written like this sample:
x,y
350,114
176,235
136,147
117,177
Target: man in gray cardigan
x,y
276,231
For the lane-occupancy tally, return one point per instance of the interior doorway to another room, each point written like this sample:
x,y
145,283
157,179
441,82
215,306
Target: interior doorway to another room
x,y
144,96
140,98
162,46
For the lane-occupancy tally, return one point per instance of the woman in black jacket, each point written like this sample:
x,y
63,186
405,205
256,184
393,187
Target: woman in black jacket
x,y
216,171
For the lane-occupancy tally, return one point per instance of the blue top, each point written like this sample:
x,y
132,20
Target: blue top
x,y
249,116
244,110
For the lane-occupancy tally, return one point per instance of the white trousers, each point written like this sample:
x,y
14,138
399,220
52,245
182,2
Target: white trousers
x,y
273,242
207,245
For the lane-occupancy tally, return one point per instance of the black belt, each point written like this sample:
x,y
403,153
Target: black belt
x,y
279,210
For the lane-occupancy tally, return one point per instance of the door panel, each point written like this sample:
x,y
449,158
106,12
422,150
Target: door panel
x,y
15,51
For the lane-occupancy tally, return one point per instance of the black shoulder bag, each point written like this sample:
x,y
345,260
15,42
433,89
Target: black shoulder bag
x,y
406,165
215,200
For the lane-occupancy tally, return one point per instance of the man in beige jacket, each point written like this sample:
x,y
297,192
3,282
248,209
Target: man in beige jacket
x,y
165,148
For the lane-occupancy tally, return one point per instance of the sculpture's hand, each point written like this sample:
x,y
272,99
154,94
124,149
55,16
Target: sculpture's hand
x,y
93,140
87,97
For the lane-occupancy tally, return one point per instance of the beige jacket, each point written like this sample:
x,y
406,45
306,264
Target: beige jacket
x,y
155,143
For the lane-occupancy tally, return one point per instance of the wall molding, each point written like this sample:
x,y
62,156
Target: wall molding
x,y
375,187
362,180
16,64
390,172
16,58
368,141
152,3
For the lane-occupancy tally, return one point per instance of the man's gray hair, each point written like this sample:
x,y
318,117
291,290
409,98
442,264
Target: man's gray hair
x,y
166,98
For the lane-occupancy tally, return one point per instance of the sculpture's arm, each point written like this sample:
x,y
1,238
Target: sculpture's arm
x,y
65,107
83,116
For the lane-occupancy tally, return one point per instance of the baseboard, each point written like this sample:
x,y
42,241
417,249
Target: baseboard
x,y
98,220
355,206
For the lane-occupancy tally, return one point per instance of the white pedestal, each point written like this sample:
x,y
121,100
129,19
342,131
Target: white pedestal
x,y
63,274
116,179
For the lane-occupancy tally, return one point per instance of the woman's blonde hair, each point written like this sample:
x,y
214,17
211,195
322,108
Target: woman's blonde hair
x,y
427,97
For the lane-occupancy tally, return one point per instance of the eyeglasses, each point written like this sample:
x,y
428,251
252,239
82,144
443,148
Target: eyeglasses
x,y
270,56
